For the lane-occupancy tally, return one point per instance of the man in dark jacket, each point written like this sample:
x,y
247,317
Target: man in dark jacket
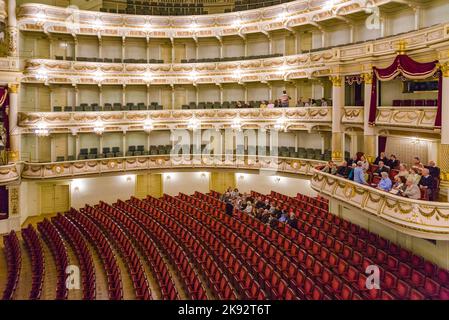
x,y
382,168
427,182
393,163
380,157
229,208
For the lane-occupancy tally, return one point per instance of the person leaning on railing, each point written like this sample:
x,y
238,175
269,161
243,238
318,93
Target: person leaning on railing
x,y
330,168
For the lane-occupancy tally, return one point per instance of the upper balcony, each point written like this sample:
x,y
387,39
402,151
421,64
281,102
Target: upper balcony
x,y
319,63
419,218
49,19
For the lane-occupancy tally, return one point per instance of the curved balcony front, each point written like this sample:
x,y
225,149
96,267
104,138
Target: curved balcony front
x,y
295,119
9,174
39,17
67,169
424,219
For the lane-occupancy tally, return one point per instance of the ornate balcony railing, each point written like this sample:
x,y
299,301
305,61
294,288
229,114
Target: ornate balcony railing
x,y
419,218
39,17
9,173
352,115
160,162
295,118
410,117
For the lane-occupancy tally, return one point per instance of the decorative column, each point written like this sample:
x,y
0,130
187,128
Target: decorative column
x,y
123,48
369,134
13,31
443,150
100,47
338,101
14,131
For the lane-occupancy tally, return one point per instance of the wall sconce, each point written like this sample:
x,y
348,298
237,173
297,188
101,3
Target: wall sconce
x,y
203,175
76,189
277,179
241,177
168,177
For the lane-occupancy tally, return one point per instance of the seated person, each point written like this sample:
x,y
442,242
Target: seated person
x,y
411,191
323,102
392,162
343,170
359,173
284,217
270,105
263,105
292,221
403,171
381,168
385,183
417,163
300,103
380,157
434,171
365,163
354,159
398,185
427,182
330,167
415,175
351,171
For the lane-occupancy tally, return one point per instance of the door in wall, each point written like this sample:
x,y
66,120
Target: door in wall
x,y
149,184
54,198
221,181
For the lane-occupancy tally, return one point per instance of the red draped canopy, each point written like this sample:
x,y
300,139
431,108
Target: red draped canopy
x,y
404,66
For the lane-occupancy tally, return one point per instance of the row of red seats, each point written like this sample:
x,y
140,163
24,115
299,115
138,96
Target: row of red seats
x,y
34,248
87,268
54,241
363,240
312,290
125,248
246,286
222,289
170,246
263,270
148,249
423,286
14,263
101,244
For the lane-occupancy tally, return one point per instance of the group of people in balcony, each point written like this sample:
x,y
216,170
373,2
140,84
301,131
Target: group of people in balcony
x,y
284,102
268,213
418,181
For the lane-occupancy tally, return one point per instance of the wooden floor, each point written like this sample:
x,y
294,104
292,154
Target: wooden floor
x,y
50,274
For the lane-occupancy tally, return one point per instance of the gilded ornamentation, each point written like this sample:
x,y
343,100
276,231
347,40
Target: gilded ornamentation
x,y
444,67
336,80
13,87
367,78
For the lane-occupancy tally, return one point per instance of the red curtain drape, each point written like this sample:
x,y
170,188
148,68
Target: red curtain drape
x,y
4,104
381,144
407,67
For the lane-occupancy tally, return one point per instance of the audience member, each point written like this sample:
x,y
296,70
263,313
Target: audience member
x,y
427,182
392,162
381,168
398,185
433,169
359,173
380,157
330,167
403,171
385,182
411,191
343,170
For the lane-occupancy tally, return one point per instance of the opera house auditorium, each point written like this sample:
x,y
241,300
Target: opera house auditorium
x,y
224,150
